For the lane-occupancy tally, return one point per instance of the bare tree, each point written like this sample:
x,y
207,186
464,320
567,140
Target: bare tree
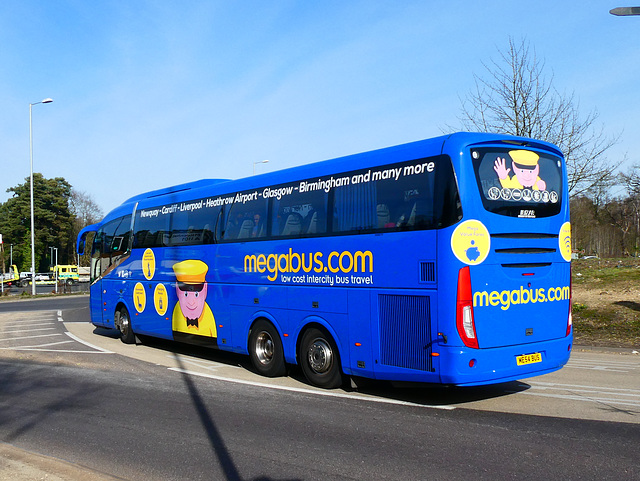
x,y
84,208
86,212
517,99
631,180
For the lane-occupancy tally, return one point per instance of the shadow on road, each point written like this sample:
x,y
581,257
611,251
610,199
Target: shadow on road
x,y
19,380
215,439
417,393
436,395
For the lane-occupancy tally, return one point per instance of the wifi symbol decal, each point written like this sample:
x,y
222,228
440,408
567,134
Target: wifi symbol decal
x,y
564,238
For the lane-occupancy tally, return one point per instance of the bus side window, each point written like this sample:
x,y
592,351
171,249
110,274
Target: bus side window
x,y
122,236
115,242
246,221
151,231
384,216
96,255
204,221
108,232
292,225
355,208
300,214
192,227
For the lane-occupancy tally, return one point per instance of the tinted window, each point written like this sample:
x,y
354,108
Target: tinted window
x,y
419,194
110,244
518,182
121,236
151,228
246,218
184,223
300,212
97,248
192,226
412,195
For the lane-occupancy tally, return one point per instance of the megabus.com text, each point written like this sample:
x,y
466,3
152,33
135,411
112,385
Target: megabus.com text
x,y
292,262
506,299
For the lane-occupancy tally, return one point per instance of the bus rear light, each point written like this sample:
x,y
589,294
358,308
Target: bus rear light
x,y
569,321
467,321
464,310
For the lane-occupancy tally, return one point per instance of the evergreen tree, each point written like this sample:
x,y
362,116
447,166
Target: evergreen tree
x,y
53,222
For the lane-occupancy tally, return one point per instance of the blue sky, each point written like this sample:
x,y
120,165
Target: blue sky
x,y
153,93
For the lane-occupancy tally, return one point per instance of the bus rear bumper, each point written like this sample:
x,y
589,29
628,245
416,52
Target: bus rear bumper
x,y
473,367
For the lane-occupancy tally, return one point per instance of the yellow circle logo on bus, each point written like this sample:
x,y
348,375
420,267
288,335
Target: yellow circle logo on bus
x,y
160,299
564,241
148,264
470,242
139,297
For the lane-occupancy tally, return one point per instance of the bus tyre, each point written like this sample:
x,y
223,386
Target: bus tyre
x,y
123,323
265,350
320,360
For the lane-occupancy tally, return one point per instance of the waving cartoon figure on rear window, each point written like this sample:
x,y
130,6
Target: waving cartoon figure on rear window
x,y
525,169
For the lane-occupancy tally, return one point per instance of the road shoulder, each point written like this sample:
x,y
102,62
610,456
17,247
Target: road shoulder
x,y
20,465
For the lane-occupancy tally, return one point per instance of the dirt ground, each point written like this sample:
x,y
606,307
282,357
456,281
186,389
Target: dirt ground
x,y
606,302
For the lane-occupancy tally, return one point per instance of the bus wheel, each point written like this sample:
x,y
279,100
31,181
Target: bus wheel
x,y
123,323
265,350
320,360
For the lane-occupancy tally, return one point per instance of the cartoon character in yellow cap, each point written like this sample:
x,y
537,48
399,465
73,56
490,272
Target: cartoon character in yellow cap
x,y
526,170
192,314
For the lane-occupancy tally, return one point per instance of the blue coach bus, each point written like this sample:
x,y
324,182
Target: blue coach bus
x,y
445,261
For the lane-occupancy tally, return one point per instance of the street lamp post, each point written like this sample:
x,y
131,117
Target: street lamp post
x,y
625,11
54,265
33,251
258,162
55,269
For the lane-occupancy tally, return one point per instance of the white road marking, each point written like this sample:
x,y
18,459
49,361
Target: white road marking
x,y
24,324
310,391
557,385
29,337
88,344
580,392
598,365
598,362
620,402
209,365
30,330
36,348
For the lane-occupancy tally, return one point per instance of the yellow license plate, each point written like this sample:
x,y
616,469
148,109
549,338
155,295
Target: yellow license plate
x,y
529,359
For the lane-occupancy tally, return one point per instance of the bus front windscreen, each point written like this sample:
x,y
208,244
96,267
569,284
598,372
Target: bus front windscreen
x,y
518,182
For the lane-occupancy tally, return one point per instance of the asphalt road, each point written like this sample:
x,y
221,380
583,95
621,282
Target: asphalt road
x,y
164,411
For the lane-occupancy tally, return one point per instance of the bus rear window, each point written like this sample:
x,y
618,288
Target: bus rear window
x,y
518,182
